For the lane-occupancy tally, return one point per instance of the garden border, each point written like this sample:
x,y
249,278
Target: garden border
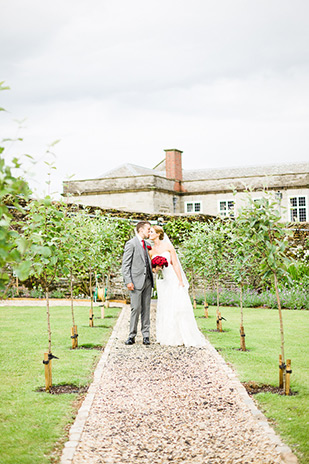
x,y
286,454
82,415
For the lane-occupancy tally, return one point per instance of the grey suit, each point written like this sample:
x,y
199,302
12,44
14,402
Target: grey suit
x,y
136,269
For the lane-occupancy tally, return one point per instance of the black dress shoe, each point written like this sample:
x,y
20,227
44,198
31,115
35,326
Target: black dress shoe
x,y
146,341
130,341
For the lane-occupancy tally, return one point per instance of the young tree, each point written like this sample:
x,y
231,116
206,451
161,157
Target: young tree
x,y
71,260
191,258
44,227
242,265
260,222
113,234
214,246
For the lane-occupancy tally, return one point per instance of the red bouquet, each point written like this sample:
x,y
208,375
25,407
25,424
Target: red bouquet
x,y
159,261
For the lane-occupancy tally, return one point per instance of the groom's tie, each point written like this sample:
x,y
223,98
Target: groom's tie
x,y
146,259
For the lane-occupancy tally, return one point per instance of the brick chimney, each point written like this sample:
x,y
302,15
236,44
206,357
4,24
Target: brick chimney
x,y
173,165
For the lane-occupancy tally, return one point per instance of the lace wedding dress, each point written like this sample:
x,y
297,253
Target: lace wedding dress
x,y
176,323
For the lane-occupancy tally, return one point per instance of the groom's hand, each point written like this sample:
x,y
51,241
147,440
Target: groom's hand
x,y
130,286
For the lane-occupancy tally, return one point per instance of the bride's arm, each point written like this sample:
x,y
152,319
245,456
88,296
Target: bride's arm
x,y
174,263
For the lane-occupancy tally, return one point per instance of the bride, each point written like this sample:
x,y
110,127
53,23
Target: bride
x,y
176,324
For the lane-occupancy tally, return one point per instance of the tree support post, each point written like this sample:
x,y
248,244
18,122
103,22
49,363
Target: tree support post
x,y
74,337
288,373
218,313
48,371
102,311
242,338
91,317
206,309
281,367
220,322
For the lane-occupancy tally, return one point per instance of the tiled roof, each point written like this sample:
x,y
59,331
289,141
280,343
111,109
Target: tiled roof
x,y
249,171
129,170
132,170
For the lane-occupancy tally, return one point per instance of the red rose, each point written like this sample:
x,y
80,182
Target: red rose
x,y
159,261
149,247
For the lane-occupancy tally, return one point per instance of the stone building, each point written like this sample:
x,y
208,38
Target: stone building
x,y
167,188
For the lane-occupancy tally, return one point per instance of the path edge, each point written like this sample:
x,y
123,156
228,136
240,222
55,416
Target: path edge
x,y
286,454
77,427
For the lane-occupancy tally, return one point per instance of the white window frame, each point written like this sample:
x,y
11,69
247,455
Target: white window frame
x,y
228,212
297,207
193,203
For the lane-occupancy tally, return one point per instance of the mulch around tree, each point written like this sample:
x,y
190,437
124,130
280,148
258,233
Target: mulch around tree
x,y
60,389
254,388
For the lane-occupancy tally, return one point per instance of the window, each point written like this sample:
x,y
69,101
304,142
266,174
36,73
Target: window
x,y
226,208
193,207
298,208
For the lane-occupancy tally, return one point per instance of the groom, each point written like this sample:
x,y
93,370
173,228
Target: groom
x,y
138,277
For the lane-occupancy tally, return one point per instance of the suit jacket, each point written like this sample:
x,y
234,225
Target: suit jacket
x,y
134,264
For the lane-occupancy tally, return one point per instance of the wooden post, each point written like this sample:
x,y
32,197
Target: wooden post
x,y
281,330
206,309
74,336
17,289
218,317
102,311
280,372
242,338
90,317
193,290
288,373
220,322
106,303
48,372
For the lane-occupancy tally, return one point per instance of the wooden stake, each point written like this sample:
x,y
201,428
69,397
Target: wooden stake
x,y
218,317
288,373
280,372
102,311
281,328
242,338
48,372
48,321
220,322
206,309
74,336
91,318
193,290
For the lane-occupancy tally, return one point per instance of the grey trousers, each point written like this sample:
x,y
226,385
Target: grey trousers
x,y
140,305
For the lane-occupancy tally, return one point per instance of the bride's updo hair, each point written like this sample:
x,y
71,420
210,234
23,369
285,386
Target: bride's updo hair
x,y
159,230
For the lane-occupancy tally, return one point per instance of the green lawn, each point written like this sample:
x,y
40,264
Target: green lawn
x,y
289,414
32,422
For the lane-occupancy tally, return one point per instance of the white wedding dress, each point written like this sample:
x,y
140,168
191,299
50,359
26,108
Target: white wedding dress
x,y
176,324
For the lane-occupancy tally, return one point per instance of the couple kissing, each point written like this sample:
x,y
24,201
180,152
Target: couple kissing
x,y
142,266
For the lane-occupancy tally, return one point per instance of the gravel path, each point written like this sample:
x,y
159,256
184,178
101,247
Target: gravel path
x,y
171,405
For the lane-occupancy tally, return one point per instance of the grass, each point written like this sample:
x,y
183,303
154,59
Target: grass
x,y
288,414
32,422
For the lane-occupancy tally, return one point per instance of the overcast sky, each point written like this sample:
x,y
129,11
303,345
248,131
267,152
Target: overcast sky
x,y
119,81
